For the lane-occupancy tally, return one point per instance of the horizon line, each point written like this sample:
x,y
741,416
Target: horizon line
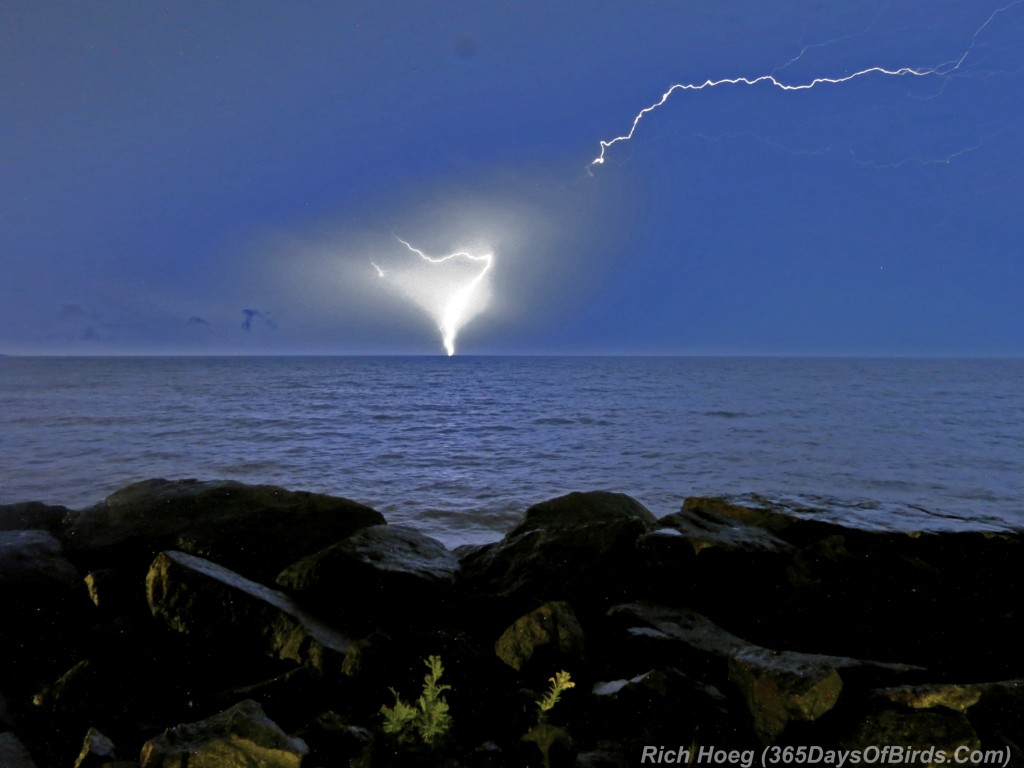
x,y
582,355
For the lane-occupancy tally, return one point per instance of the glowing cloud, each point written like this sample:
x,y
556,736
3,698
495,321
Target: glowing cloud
x,y
941,70
452,294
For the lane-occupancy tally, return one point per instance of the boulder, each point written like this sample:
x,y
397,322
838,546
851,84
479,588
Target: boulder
x,y
42,602
706,531
254,529
934,734
796,527
551,631
580,547
208,601
32,515
382,575
31,562
924,598
777,686
97,751
726,567
657,707
240,737
991,713
783,578
13,753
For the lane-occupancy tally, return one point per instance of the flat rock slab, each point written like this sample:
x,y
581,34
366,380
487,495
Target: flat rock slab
x,y
240,737
254,529
203,599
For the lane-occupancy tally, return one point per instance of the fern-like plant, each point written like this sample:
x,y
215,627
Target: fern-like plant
x,y
429,719
399,720
560,683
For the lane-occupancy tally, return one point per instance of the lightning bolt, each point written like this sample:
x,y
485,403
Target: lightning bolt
x,y
941,70
453,313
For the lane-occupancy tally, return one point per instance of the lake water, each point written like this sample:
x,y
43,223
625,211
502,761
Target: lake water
x,y
460,447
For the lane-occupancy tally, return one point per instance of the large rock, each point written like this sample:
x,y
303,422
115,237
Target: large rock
x,y
240,737
206,600
729,566
254,529
657,707
948,715
785,579
32,560
783,522
42,600
383,575
944,735
551,631
98,751
32,515
902,596
580,547
13,753
777,686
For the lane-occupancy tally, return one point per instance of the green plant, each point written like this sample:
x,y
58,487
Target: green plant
x,y
429,718
559,684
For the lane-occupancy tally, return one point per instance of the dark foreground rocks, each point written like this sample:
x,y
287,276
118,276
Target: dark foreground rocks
x,y
217,624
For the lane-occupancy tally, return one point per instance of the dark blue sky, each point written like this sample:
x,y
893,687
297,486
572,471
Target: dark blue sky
x,y
217,177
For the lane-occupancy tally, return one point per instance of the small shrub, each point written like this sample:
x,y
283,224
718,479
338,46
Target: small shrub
x,y
559,684
429,719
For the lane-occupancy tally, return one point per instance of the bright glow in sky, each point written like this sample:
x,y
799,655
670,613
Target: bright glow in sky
x,y
787,179
452,296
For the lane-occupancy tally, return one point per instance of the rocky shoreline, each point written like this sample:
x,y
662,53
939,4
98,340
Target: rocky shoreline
x,y
208,624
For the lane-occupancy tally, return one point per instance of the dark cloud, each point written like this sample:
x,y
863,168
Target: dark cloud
x,y
76,313
93,333
259,318
81,324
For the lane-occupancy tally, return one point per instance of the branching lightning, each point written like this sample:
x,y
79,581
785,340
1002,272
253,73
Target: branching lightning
x,y
940,70
459,300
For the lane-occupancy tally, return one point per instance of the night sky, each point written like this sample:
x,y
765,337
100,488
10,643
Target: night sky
x,y
213,177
